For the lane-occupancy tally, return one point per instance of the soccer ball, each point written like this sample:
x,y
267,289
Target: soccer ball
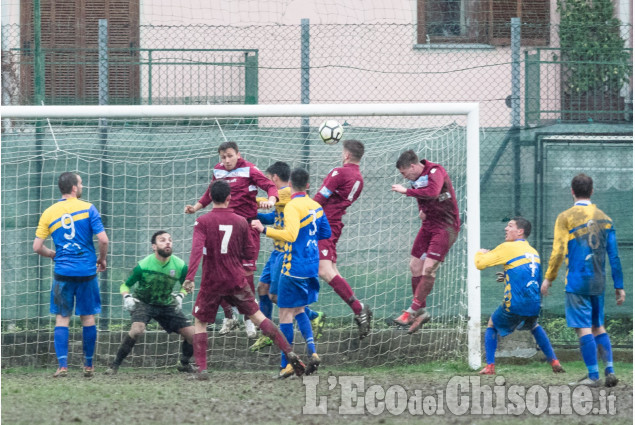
x,y
331,132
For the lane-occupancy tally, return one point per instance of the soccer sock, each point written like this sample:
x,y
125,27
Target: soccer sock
x,y
304,324
89,338
124,349
266,306
424,289
200,350
543,342
227,309
287,331
416,305
415,281
310,313
344,290
603,343
590,355
60,338
187,351
491,342
269,329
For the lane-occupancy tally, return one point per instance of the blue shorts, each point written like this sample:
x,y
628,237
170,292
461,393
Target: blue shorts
x,y
506,322
297,292
83,296
271,271
584,311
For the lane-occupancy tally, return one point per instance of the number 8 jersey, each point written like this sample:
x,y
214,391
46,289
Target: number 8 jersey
x,y
72,223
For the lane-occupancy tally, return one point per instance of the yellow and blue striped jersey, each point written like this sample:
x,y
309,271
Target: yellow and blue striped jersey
x,y
583,236
521,264
72,223
276,217
304,224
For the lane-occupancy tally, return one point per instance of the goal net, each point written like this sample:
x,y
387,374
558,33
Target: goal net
x,y
141,165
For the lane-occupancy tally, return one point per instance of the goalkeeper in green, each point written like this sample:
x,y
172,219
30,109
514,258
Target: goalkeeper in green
x,y
152,283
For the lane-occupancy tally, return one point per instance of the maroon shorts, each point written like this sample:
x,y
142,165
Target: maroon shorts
x,y
433,242
250,264
327,246
207,302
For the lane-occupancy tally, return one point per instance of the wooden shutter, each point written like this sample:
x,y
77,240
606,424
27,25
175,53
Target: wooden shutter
x,y
534,18
70,34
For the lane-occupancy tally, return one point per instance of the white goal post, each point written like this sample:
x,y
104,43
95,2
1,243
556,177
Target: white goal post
x,y
468,111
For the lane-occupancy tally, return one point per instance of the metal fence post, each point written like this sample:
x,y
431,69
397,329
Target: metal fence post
x,y
515,45
104,283
305,89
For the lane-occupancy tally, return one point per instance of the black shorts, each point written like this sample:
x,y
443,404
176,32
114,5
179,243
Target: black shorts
x,y
166,315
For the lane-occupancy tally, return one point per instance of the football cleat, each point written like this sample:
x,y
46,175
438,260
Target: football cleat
x,y
61,372
228,326
286,372
405,319
610,380
488,370
262,342
421,317
112,370
89,371
312,365
363,321
296,363
187,368
250,328
556,366
318,325
199,376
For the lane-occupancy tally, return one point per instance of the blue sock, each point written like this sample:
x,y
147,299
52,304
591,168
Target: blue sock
x,y
603,343
89,338
304,324
590,355
266,306
287,331
543,342
310,313
491,341
60,338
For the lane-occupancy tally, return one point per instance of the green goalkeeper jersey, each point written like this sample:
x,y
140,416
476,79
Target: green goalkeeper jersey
x,y
154,281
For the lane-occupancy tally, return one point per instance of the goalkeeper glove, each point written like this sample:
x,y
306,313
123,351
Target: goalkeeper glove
x,y
129,302
178,297
500,276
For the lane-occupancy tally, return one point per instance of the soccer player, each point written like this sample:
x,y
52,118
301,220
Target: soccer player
x,y
153,282
223,238
278,173
340,188
521,297
244,179
72,223
304,225
584,235
431,186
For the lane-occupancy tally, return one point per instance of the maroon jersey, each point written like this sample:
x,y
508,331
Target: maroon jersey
x,y
244,181
435,195
340,188
222,238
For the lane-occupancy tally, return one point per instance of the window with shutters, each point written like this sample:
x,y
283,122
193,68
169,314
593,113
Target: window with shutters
x,y
482,21
69,42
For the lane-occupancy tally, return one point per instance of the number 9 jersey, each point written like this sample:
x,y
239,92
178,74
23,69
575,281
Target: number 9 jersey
x,y
72,223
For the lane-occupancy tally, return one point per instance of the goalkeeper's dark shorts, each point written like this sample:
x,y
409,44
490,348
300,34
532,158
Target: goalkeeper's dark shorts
x,y
166,315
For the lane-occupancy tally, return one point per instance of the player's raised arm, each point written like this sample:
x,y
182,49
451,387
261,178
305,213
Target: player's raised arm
x,y
291,228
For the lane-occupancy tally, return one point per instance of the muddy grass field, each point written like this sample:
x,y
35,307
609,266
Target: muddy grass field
x,y
409,394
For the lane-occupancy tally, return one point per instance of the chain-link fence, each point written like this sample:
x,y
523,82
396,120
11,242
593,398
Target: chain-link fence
x,y
366,63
